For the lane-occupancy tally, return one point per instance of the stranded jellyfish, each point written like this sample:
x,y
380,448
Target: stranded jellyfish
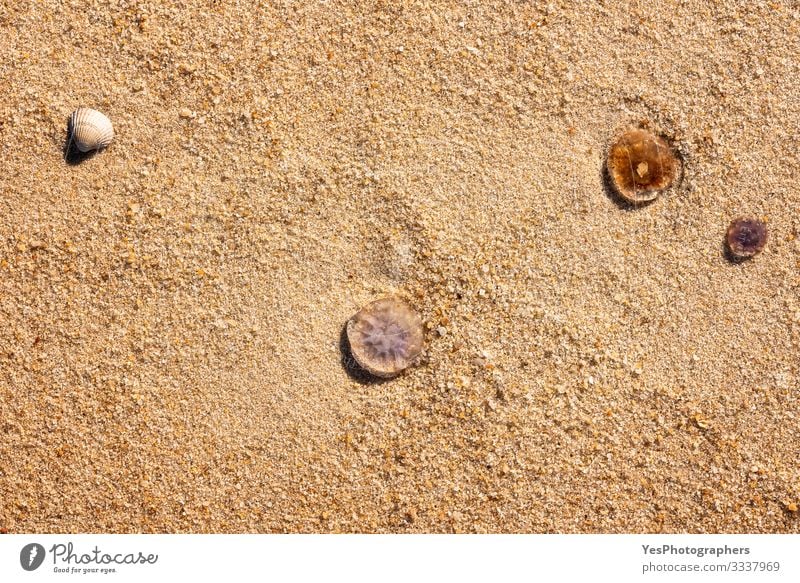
x,y
385,336
640,165
746,237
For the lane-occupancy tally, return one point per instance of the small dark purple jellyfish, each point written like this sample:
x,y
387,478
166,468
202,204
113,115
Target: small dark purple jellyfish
x,y
746,237
385,336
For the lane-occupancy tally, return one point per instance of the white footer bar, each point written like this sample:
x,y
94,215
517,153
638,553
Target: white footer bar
x,y
407,558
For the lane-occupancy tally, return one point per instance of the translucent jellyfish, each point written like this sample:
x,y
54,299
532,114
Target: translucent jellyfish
x,y
641,165
385,336
746,237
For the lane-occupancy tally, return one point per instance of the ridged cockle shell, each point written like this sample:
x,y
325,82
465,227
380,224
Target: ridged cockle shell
x,y
90,130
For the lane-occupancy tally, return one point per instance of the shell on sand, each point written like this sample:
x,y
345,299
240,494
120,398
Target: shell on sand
x,y
90,129
640,165
385,336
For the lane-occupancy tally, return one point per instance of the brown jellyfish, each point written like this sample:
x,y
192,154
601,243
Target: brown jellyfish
x,y
640,165
746,237
385,336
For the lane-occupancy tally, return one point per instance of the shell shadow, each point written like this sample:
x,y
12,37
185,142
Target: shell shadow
x,y
72,155
351,367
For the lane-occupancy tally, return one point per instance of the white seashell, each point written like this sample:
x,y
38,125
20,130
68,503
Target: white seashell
x,y
90,129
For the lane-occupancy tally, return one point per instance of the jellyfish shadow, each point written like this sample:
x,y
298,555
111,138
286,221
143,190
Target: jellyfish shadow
x,y
616,198
730,257
351,366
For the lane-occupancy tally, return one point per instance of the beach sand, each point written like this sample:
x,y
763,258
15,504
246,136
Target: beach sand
x,y
171,349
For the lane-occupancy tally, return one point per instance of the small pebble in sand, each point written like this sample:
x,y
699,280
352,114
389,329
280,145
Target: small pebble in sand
x,y
641,165
746,237
385,336
90,130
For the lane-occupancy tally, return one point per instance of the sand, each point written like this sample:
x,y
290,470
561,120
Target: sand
x,y
172,307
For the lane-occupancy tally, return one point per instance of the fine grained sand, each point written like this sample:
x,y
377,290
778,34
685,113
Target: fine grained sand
x,y
172,308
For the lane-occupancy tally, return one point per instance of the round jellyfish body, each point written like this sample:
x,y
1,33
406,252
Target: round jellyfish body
x,y
385,337
746,237
640,165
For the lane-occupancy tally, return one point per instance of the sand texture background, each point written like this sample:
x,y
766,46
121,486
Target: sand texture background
x,y
172,308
